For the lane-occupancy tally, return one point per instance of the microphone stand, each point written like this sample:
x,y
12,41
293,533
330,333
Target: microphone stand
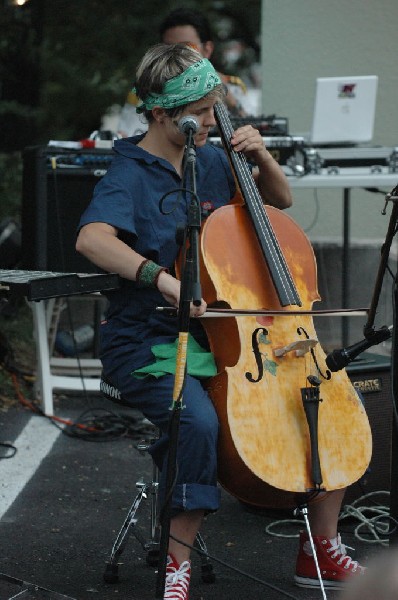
x,y
190,291
338,359
375,337
369,332
392,230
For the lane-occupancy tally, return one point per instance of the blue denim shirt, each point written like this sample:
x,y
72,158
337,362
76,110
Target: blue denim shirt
x,y
128,198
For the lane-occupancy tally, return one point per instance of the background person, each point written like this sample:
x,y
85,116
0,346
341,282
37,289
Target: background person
x,y
184,25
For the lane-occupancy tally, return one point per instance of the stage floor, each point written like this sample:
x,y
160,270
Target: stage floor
x,y
64,500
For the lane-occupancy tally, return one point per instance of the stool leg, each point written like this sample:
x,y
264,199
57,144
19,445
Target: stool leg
x,y
152,556
208,575
111,574
111,570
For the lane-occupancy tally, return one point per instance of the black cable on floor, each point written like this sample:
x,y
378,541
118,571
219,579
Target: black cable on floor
x,y
8,447
236,569
108,426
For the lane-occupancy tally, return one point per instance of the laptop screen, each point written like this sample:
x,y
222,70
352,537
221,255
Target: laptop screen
x,y
344,109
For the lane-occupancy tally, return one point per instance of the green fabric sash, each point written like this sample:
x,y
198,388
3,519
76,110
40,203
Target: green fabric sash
x,y
200,363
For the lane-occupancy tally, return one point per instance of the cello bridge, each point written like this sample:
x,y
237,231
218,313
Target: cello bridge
x,y
300,347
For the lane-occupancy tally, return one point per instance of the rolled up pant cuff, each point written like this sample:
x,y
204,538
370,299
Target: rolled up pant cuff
x,y
195,496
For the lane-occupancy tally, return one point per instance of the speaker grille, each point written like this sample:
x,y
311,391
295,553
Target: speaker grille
x,y
57,187
372,378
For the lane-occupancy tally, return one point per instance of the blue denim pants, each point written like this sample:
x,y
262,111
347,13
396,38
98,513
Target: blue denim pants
x,y
196,475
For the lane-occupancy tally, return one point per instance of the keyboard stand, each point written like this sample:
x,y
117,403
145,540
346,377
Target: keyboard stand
x,y
58,373
45,290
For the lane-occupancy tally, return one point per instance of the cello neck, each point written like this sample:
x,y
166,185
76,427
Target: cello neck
x,y
278,268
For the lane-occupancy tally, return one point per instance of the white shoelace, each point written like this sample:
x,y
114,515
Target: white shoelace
x,y
340,549
177,582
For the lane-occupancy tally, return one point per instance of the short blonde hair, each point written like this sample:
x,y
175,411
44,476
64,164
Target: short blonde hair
x,y
163,62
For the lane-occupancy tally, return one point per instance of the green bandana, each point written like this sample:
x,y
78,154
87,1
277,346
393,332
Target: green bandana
x,y
191,85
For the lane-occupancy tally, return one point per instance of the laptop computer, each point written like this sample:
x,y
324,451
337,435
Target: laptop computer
x,y
344,110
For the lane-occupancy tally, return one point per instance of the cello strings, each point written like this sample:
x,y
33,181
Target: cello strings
x,y
260,218
242,171
265,228
264,224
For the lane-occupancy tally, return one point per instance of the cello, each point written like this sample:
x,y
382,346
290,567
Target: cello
x,y
270,370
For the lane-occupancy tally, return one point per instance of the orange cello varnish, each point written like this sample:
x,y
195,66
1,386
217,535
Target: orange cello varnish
x,y
264,441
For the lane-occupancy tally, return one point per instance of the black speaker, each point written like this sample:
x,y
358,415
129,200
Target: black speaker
x,y
370,375
58,185
10,243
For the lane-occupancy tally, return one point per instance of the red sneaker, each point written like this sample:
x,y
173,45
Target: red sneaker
x,y
177,579
334,563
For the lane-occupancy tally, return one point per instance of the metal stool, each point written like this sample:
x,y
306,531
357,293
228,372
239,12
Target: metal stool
x,y
145,490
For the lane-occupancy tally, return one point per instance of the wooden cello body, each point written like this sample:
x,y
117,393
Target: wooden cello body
x,y
264,363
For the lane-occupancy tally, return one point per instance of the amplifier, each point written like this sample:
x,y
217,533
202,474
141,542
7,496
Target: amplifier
x,y
267,125
370,375
282,148
10,243
313,160
57,186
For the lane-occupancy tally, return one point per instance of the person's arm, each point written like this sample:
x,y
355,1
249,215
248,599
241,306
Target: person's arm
x,y
99,243
269,177
234,106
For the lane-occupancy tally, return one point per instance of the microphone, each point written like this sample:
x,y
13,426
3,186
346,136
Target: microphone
x,y
338,359
188,125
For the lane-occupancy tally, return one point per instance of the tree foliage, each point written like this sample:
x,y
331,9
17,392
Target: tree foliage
x,y
67,61
63,63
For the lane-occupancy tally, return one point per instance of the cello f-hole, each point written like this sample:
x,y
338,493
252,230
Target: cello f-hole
x,y
327,375
257,355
